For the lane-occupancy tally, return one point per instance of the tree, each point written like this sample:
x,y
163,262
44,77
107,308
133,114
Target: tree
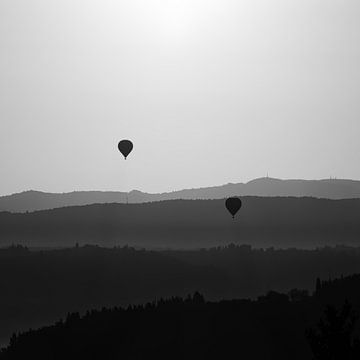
x,y
333,339
318,285
296,295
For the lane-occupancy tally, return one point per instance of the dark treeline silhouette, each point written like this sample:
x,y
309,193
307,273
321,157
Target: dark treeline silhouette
x,y
274,326
262,222
335,337
37,287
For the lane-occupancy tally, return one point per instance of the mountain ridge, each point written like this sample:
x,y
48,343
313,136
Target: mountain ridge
x,y
33,200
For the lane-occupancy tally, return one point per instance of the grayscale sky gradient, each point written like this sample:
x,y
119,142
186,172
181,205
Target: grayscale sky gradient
x,y
210,92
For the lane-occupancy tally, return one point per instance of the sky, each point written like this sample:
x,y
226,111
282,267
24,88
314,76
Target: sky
x,y
209,91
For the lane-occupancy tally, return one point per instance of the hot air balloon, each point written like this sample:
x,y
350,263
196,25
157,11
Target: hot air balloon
x,y
125,147
233,204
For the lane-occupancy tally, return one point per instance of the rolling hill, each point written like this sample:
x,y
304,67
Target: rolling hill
x,y
262,221
328,188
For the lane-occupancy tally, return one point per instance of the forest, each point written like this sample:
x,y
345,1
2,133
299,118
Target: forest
x,y
273,326
40,286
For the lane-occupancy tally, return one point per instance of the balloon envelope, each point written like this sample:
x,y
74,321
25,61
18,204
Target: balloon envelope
x,y
125,147
233,204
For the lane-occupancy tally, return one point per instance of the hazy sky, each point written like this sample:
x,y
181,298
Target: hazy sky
x,y
210,92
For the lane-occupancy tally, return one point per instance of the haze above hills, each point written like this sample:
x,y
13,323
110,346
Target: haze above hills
x,y
326,188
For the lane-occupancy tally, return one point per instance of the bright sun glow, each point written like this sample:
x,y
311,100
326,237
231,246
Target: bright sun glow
x,y
176,21
172,22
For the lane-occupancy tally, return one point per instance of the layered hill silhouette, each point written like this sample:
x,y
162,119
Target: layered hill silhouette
x,y
327,188
39,287
272,327
265,221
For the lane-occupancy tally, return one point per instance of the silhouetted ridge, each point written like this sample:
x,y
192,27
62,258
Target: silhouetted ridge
x,y
327,188
40,286
266,221
190,328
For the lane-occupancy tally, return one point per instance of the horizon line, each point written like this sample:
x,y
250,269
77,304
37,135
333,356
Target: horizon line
x,y
178,190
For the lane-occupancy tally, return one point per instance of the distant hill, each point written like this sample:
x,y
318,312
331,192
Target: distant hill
x,y
328,188
265,221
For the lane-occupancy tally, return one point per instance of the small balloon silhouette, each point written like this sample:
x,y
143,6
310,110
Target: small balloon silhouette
x,y
125,147
233,204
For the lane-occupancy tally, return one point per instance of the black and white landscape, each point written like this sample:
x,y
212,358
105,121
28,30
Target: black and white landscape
x,y
179,179
80,258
